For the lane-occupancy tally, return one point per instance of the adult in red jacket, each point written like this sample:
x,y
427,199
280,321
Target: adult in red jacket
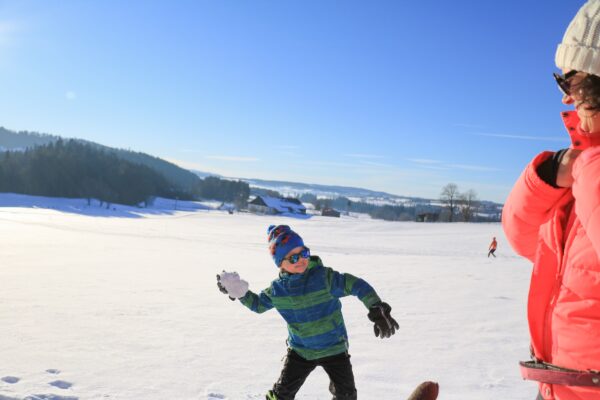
x,y
552,217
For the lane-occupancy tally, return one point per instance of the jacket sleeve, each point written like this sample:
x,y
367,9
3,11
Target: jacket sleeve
x,y
527,207
259,303
586,191
342,285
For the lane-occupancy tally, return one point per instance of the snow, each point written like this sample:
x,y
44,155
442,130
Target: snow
x,y
123,304
232,283
95,208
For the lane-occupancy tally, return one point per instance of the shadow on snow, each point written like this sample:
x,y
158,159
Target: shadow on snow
x,y
160,206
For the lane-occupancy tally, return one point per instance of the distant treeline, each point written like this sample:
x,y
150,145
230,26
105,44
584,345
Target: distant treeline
x,y
180,178
11,140
408,212
71,168
236,192
385,212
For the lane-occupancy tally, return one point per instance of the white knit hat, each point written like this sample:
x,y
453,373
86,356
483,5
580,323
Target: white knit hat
x,y
580,48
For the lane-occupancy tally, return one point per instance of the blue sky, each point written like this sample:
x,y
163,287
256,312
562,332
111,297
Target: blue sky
x,y
398,96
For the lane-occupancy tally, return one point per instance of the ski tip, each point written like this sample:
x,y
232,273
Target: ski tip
x,y
426,391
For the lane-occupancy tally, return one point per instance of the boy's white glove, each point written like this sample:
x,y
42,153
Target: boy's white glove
x,y
231,284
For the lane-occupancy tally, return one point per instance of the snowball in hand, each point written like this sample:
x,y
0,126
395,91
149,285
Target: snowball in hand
x,y
235,286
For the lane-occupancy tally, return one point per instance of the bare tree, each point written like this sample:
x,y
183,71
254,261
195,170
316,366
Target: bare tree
x,y
468,204
449,197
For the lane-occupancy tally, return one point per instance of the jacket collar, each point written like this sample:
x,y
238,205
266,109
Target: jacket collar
x,y
579,139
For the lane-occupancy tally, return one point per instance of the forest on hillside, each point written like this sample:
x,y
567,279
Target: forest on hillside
x,y
71,168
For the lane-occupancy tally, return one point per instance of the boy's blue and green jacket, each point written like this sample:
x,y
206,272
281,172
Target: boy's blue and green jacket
x,y
309,303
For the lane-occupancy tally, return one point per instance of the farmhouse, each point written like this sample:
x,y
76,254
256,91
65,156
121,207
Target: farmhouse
x,y
330,212
276,205
428,217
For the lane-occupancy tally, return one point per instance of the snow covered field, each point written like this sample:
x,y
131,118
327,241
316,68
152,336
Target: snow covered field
x,y
121,304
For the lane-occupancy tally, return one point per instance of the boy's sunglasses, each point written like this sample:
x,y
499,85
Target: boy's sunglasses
x,y
563,81
294,258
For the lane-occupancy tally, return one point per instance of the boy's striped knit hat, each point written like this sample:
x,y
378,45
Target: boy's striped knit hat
x,y
282,239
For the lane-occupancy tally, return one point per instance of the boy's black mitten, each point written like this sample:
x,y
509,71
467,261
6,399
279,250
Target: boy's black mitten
x,y
385,326
222,288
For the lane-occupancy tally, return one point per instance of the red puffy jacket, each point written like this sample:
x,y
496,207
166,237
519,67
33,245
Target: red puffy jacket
x,y
558,229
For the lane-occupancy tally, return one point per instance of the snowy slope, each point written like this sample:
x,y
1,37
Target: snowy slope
x,y
127,308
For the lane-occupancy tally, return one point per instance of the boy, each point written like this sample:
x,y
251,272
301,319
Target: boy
x,y
306,294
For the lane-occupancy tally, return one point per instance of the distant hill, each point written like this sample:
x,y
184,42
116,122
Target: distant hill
x,y
203,174
73,169
182,179
376,198
17,141
331,191
296,189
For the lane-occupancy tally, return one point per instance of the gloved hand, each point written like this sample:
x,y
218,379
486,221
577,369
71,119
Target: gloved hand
x,y
385,326
230,284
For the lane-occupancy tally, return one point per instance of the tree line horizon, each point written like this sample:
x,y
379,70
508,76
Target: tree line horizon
x,y
75,169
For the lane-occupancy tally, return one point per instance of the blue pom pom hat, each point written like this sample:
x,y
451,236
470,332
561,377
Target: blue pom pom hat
x,y
282,239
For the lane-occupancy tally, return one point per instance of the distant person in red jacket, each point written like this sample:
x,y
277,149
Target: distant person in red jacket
x,y
493,247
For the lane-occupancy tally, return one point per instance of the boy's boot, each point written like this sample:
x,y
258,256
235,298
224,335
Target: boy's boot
x,y
271,396
344,397
341,396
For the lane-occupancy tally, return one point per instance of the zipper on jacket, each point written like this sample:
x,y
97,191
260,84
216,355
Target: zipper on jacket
x,y
566,241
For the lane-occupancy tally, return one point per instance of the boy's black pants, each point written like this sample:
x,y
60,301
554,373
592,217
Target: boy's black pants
x,y
296,369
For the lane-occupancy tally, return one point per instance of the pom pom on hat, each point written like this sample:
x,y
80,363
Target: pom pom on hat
x,y
282,239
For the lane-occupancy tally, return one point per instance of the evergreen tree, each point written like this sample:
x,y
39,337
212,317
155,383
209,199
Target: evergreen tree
x,y
73,169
